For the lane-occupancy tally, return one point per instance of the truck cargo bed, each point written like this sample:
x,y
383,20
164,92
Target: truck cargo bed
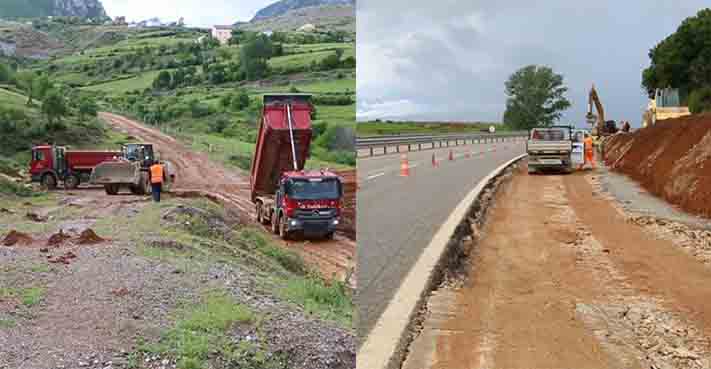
x,y
273,153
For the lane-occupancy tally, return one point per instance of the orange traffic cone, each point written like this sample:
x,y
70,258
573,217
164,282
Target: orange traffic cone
x,y
451,155
434,161
404,166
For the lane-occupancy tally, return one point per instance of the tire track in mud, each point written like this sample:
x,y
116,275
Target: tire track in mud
x,y
198,176
553,283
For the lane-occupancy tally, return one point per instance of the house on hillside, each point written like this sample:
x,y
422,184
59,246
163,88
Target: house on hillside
x,y
222,33
307,28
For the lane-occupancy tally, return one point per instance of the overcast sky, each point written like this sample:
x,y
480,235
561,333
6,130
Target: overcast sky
x,y
195,12
448,60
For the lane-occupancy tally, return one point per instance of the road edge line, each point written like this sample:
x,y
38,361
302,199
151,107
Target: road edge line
x,y
385,346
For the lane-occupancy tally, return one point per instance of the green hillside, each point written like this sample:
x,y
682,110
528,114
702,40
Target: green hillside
x,y
206,94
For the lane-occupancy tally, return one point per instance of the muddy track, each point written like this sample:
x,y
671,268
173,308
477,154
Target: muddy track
x,y
560,279
197,175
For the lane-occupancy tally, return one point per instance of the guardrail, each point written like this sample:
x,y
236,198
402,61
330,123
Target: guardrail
x,y
383,145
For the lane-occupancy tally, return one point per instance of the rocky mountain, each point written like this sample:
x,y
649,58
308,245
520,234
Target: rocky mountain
x,y
43,8
283,6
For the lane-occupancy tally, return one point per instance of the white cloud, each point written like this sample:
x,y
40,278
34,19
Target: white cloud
x,y
452,58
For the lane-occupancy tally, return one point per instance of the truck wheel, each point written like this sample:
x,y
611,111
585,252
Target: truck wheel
x,y
111,189
329,236
260,215
49,181
283,233
275,222
72,182
134,190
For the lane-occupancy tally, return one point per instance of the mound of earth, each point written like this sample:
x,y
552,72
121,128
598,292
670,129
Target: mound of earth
x,y
58,238
14,238
671,159
89,237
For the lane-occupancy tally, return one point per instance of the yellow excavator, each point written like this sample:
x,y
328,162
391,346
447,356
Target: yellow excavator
x,y
600,126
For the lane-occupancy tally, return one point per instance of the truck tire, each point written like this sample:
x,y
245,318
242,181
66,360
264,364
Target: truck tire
x,y
275,222
72,182
260,213
283,233
135,190
328,236
111,189
49,181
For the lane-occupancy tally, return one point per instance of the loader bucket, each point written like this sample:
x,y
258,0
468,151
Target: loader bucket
x,y
116,172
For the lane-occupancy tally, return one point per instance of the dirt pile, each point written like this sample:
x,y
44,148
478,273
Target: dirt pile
x,y
16,238
58,238
671,159
348,226
89,237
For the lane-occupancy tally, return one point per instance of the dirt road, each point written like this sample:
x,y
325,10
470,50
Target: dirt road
x,y
560,279
199,176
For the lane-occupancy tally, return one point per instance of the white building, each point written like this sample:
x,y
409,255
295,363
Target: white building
x,y
307,28
222,33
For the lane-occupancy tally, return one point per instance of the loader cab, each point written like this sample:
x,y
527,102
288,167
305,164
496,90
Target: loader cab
x,y
139,152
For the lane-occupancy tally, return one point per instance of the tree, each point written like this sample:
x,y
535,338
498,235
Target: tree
x,y
26,81
87,107
682,60
700,100
254,56
54,107
163,80
536,98
6,73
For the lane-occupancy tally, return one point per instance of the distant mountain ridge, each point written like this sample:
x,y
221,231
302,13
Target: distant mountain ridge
x,y
283,6
44,8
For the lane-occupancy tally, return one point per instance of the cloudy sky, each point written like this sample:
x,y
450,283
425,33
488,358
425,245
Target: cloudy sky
x,y
195,12
448,60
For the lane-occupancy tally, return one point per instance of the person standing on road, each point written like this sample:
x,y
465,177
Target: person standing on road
x,y
589,155
156,171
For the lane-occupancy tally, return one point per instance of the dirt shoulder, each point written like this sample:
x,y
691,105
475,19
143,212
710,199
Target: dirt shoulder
x,y
560,278
197,175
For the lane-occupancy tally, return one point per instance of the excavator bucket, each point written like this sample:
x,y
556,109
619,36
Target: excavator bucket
x,y
116,172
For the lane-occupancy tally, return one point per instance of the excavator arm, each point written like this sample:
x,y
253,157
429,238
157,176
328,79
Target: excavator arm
x,y
598,120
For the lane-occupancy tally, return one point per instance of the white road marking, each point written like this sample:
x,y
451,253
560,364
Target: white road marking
x,y
374,176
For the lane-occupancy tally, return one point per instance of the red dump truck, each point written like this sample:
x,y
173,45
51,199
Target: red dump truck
x,y
52,164
285,195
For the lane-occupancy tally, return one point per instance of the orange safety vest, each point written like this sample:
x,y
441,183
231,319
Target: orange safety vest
x,y
589,144
156,173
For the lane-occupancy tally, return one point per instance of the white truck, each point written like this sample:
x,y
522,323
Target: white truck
x,y
550,149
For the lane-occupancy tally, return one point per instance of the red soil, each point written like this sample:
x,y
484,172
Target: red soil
x,y
14,238
88,237
671,159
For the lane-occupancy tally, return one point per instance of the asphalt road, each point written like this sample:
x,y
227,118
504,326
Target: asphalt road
x,y
398,216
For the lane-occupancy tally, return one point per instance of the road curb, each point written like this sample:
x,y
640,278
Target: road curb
x,y
387,342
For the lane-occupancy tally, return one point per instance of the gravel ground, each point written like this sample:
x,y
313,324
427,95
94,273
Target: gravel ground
x,y
93,310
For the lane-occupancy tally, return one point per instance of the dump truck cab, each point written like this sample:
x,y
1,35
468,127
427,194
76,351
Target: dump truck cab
x,y
46,159
308,202
287,196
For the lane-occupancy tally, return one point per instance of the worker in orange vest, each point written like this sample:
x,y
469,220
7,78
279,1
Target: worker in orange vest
x,y
156,180
589,156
